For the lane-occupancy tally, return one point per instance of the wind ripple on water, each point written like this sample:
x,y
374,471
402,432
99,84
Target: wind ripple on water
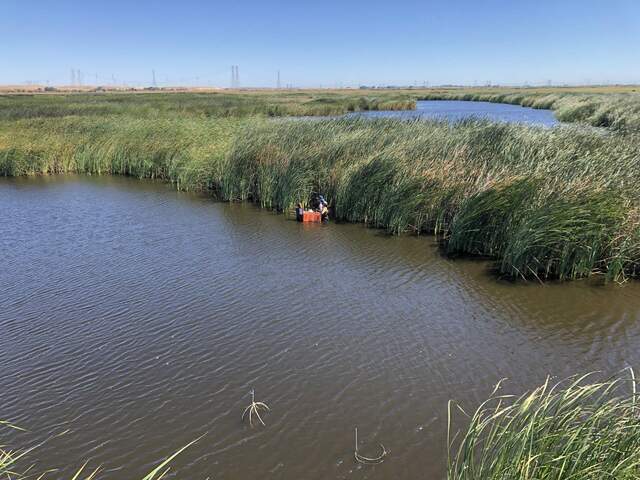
x,y
140,318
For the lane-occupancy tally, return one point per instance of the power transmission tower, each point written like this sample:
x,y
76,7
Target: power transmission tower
x,y
73,77
278,79
235,81
153,74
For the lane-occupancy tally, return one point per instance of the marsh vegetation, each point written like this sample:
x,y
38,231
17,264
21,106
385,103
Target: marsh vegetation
x,y
544,203
201,105
578,428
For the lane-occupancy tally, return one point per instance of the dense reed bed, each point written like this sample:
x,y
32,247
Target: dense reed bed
x,y
620,111
557,203
200,105
186,151
570,430
543,203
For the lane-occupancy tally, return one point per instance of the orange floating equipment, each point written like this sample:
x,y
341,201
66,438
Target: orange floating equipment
x,y
309,216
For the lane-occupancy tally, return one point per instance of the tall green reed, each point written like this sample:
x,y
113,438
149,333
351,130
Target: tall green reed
x,y
545,203
575,429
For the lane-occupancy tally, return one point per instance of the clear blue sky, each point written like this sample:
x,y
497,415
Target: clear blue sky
x,y
322,43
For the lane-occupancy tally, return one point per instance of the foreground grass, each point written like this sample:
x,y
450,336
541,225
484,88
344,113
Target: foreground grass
x,y
10,461
570,430
544,203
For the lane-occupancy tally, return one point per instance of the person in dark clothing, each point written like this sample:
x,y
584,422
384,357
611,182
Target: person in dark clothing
x,y
314,203
324,209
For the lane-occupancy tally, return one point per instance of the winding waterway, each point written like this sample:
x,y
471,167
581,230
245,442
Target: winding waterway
x,y
139,318
456,110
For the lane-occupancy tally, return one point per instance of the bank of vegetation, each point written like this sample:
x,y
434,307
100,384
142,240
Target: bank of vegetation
x,y
559,203
543,203
200,105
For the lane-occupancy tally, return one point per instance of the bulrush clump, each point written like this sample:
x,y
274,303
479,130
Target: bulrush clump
x,y
577,428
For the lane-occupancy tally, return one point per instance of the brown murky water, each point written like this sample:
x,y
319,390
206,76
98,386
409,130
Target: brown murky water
x,y
140,318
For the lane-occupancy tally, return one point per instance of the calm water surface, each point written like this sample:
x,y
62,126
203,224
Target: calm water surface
x,y
455,110
139,318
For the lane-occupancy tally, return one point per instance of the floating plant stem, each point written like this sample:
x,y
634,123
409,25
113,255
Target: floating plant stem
x,y
254,409
368,460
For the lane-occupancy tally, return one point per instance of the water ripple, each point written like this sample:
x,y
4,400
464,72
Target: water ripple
x,y
140,318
